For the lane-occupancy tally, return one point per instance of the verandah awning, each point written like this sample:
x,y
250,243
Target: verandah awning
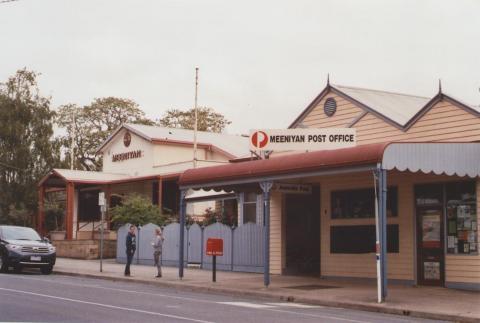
x,y
461,159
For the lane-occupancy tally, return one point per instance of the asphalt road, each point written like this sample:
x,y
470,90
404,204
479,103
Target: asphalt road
x,y
31,297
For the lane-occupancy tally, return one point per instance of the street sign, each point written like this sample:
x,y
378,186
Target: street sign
x,y
214,247
101,198
302,139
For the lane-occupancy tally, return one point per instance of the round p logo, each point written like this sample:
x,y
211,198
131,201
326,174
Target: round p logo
x,y
259,139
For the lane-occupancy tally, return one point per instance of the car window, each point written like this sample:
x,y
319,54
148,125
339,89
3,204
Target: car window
x,y
19,233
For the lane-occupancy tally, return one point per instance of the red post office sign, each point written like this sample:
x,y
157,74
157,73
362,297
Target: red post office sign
x,y
214,247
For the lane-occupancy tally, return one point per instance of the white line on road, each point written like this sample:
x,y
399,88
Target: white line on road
x,y
295,305
106,305
194,299
246,304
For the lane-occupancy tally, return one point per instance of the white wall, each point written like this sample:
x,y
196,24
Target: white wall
x,y
134,166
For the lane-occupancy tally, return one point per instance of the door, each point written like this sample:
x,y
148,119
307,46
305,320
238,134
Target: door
x,y
430,243
303,233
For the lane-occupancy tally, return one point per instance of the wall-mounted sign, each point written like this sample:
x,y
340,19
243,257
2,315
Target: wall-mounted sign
x,y
302,139
127,139
292,188
127,155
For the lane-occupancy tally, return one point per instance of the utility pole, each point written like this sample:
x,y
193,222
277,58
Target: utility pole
x,y
195,127
72,145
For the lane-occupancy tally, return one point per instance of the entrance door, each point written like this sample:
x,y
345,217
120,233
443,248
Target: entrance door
x,y
430,244
303,233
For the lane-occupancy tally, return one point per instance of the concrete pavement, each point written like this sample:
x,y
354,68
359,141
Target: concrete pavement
x,y
423,302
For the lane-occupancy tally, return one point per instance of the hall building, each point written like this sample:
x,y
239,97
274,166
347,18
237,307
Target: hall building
x,y
146,160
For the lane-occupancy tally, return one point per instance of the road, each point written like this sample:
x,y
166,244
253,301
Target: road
x,y
31,297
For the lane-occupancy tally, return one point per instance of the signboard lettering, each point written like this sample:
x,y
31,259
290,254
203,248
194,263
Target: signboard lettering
x,y
214,247
292,188
127,155
302,139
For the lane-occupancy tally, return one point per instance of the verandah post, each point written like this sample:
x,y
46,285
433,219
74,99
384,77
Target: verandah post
x,y
266,187
381,231
182,227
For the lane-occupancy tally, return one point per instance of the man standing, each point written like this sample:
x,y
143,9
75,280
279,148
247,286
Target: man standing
x,y
157,250
131,246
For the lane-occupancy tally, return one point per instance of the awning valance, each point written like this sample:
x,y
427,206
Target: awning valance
x,y
462,159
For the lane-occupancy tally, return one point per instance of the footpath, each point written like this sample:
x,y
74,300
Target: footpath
x,y
424,302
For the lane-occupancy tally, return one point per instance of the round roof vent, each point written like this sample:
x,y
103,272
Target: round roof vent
x,y
330,107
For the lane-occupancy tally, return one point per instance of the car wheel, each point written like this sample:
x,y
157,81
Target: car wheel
x,y
17,269
3,264
46,270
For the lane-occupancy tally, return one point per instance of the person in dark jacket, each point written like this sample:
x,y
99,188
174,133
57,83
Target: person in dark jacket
x,y
131,246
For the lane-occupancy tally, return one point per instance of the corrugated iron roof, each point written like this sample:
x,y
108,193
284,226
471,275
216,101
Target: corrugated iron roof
x,y
234,145
398,107
401,110
294,163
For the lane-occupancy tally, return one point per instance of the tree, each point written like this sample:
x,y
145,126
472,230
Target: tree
x,y
27,151
208,119
93,124
137,209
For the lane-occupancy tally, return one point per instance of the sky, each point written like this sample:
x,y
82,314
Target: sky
x,y
261,62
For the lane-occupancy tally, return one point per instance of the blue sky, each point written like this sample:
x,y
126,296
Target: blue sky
x,y
261,62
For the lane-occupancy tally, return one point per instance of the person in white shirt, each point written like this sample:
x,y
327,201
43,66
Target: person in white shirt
x,y
157,250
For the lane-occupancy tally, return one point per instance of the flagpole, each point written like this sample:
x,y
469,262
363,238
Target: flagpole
x,y
195,127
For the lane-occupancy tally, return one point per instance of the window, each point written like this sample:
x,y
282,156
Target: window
x,y
361,239
88,208
462,220
250,208
360,203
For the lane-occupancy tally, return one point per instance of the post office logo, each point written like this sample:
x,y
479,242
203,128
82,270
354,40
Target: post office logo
x,y
127,138
259,139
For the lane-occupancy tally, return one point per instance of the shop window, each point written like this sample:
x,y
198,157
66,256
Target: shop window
x,y
250,208
360,203
462,234
361,239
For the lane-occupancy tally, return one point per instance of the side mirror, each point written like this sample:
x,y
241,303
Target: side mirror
x,y
46,239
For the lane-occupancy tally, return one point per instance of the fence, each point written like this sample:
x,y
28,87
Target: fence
x,y
242,246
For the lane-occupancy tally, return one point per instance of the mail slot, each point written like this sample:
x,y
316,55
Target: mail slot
x,y
214,247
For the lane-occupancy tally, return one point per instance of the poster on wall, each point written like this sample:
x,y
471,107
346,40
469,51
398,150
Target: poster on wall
x,y
431,270
431,231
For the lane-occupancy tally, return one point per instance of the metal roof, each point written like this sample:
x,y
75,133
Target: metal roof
x,y
401,110
92,177
234,145
398,107
301,163
461,159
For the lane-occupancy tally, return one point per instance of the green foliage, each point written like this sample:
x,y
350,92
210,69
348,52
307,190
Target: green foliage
x,y
54,213
27,151
137,209
208,119
17,215
93,124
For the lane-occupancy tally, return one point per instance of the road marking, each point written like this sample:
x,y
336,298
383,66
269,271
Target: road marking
x,y
246,304
295,305
193,299
106,305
